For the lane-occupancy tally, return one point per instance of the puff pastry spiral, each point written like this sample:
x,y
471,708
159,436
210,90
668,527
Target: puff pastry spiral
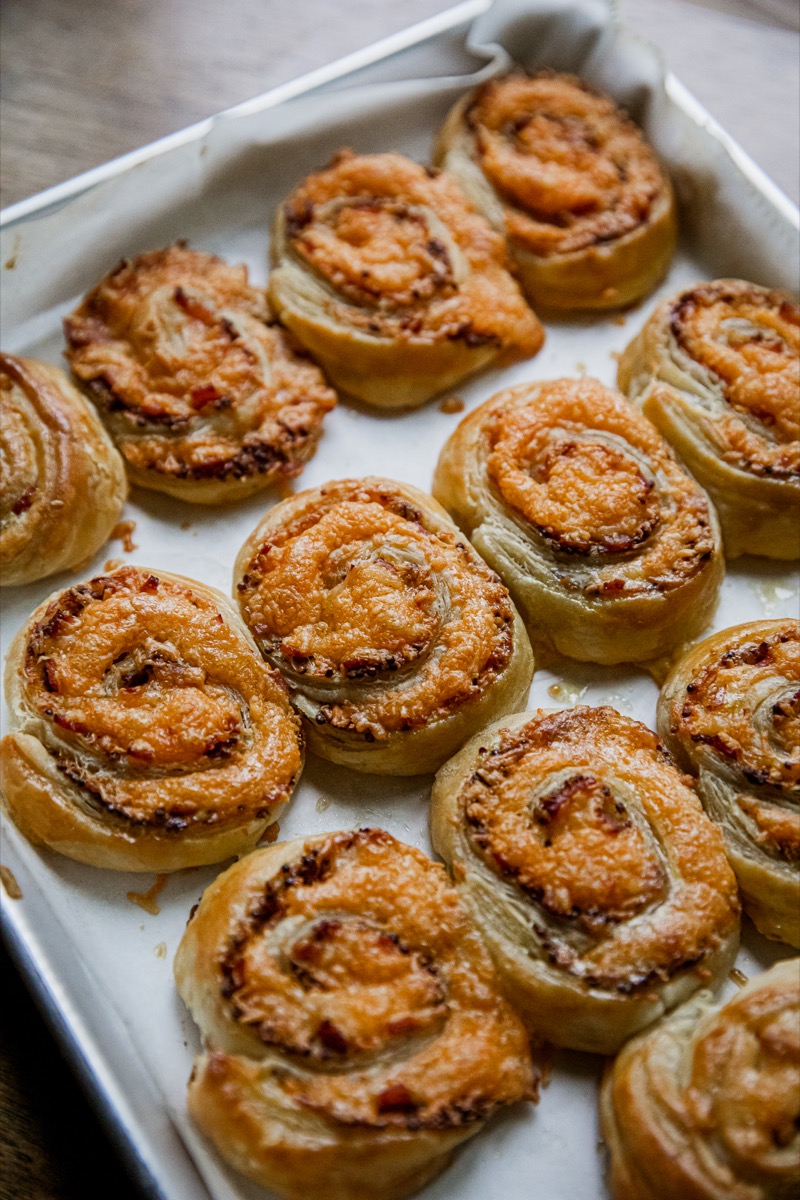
x,y
717,369
353,1028
205,400
706,1106
598,882
730,713
610,550
388,276
396,639
148,732
62,482
588,212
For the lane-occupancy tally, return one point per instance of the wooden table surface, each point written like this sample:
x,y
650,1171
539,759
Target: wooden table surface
x,y
85,80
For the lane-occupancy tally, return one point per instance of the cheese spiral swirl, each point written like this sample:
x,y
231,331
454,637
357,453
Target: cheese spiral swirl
x,y
386,274
598,882
204,399
609,548
354,1033
62,483
395,638
707,1104
717,369
587,210
148,732
730,713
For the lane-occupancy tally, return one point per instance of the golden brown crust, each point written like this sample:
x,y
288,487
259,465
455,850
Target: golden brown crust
x,y
706,1105
717,368
587,210
609,548
396,639
599,884
62,483
354,1033
148,732
730,712
387,275
205,400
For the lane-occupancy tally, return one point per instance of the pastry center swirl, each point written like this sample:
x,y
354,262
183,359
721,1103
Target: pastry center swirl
x,y
586,491
573,168
154,708
751,344
174,356
113,689
568,840
375,251
377,620
332,986
746,709
744,1072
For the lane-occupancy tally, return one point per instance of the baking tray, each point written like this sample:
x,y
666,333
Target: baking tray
x,y
99,966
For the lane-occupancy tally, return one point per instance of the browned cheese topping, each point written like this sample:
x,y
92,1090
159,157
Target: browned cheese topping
x,y
174,349
155,709
747,339
359,964
624,876
399,620
405,256
594,479
571,169
740,715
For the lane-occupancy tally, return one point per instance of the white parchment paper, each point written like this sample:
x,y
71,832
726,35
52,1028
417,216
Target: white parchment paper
x,y
218,188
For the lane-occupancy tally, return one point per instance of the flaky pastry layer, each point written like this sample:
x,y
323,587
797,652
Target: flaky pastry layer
x,y
398,287
205,400
396,640
354,1034
717,369
62,483
598,882
147,732
730,713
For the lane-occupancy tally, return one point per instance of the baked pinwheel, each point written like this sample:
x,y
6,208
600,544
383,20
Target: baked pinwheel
x,y
610,549
62,483
717,369
394,283
563,172
354,1034
706,1105
395,638
205,400
148,733
599,884
730,713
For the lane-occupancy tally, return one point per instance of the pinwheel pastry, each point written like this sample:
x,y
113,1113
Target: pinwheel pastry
x,y
63,483
396,639
204,399
563,172
717,369
148,733
354,1033
609,548
730,714
598,882
388,276
706,1105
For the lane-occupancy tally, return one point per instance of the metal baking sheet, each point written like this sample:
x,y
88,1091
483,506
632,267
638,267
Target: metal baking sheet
x,y
99,965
